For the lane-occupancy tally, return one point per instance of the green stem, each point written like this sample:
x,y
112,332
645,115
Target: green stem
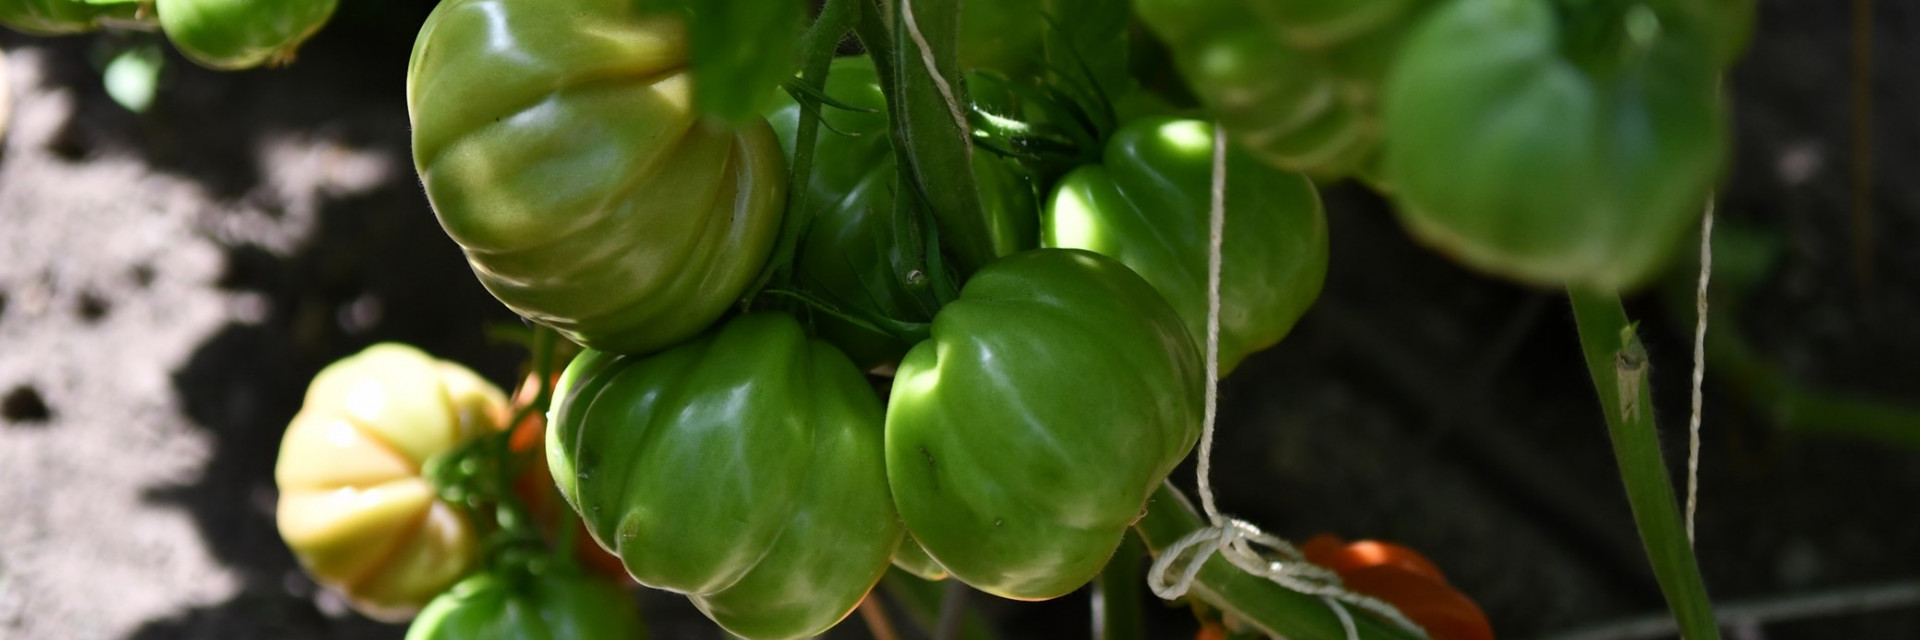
x,y
819,44
930,139
1616,360
1272,609
1116,594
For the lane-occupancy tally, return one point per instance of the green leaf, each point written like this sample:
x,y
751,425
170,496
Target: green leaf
x,y
133,76
740,51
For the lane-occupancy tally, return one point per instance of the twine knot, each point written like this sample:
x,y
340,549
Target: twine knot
x,y
1266,556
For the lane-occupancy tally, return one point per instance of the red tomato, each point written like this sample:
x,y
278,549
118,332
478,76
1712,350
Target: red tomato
x,y
1405,579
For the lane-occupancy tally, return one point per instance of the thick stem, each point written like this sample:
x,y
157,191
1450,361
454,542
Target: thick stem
x,y
1269,608
917,60
1116,594
1617,362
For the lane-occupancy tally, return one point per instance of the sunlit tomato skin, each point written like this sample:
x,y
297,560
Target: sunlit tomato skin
x,y
61,17
560,148
354,507
1025,435
1554,146
1147,204
743,468
239,34
552,602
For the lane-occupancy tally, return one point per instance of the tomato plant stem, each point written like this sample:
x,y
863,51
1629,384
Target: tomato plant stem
x,y
1269,608
818,46
1116,594
1617,362
917,58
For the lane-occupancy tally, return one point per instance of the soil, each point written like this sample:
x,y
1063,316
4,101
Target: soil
x,y
170,281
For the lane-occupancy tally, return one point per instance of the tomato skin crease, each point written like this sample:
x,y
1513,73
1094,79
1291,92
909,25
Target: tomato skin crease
x,y
561,149
1296,82
549,601
1148,204
742,468
1025,436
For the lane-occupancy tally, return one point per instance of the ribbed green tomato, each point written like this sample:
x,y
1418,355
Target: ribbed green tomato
x,y
1024,437
1147,205
1296,82
1552,144
743,468
560,147
549,602
57,17
850,253
238,34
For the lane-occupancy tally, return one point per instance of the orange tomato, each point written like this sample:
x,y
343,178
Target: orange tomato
x,y
1405,579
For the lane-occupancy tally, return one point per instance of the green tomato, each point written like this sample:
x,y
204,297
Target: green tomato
x,y
59,17
849,253
1552,145
548,603
1294,81
743,468
1025,435
240,34
1147,206
561,150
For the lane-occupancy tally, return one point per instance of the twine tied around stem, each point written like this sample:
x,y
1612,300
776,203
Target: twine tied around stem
x,y
1256,552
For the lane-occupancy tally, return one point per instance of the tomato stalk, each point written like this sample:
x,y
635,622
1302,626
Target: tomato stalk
x,y
1116,595
1617,362
480,474
915,52
818,45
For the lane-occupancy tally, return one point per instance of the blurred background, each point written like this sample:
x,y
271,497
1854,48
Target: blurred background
x,y
169,281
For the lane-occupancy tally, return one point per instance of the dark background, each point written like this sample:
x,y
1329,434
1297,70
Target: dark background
x,y
1416,402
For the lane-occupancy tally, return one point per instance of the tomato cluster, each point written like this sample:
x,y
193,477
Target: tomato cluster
x,y
220,34
743,459
790,380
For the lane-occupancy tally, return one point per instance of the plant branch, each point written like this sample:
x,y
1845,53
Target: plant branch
x,y
1617,362
1116,594
916,58
818,44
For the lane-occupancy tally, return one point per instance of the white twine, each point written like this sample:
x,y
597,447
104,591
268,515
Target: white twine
x,y
1699,366
1256,552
